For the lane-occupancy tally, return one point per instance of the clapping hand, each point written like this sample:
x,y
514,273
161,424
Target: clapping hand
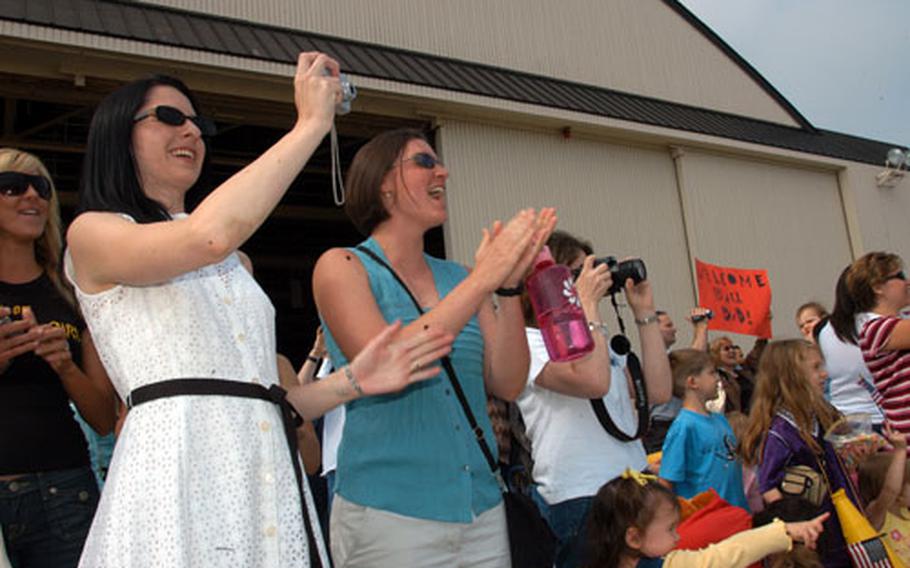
x,y
386,366
506,251
543,226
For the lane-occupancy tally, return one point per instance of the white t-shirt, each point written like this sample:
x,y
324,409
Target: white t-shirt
x,y
573,455
847,375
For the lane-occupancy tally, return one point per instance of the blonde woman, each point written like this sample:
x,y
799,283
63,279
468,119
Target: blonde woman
x,y
48,492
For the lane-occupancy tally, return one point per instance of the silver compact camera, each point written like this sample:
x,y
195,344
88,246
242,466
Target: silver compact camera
x,y
348,92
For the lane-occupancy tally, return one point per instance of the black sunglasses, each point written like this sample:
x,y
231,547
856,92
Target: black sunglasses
x,y
175,117
424,160
13,184
897,275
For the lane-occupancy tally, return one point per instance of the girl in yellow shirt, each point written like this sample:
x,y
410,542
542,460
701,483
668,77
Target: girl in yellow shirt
x,y
633,521
884,485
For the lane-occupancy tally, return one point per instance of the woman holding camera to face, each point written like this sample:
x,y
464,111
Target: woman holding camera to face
x,y
202,474
573,454
412,487
48,492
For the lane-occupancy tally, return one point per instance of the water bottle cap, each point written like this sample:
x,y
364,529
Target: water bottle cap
x,y
544,258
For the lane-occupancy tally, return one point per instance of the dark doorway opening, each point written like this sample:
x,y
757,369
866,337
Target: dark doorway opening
x,y
50,118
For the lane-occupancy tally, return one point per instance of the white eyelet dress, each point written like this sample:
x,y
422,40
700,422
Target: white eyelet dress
x,y
195,481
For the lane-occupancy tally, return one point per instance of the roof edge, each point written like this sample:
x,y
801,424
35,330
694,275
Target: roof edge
x,y
741,62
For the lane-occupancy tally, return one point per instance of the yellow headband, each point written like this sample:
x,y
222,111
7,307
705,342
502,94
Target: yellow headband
x,y
639,477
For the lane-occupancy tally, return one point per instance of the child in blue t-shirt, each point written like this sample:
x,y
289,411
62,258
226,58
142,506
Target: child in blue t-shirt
x,y
699,452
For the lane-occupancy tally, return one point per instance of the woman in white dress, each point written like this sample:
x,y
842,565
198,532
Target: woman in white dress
x,y
201,474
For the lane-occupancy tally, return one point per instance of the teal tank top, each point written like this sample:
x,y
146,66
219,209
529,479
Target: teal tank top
x,y
412,453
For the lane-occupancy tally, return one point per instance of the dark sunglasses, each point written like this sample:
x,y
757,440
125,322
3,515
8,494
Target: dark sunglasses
x,y
175,117
424,160
13,184
897,275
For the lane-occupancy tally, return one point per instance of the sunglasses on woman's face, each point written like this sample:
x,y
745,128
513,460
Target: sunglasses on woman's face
x,y
425,160
175,117
897,276
13,184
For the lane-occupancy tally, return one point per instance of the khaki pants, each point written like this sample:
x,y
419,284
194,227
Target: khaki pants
x,y
371,538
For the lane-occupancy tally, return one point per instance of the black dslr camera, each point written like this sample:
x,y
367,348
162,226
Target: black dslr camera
x,y
633,268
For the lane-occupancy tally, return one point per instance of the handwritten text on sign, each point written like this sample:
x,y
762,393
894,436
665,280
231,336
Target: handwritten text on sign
x,y
739,297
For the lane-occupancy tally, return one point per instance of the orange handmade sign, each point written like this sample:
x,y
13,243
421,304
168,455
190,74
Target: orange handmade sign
x,y
739,297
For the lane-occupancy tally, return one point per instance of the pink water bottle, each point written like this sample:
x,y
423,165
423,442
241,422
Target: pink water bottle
x,y
559,315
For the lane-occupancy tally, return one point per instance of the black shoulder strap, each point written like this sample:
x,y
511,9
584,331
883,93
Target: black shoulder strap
x,y
447,366
641,404
817,329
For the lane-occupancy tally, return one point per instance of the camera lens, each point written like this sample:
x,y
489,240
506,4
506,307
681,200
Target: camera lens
x,y
622,271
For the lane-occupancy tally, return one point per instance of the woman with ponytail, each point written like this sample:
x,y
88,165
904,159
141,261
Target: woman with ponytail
x,y
868,313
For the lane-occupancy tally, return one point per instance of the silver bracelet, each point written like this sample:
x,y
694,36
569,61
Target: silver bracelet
x,y
647,319
349,375
599,326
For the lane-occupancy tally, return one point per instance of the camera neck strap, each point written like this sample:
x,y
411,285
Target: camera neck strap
x,y
621,346
450,373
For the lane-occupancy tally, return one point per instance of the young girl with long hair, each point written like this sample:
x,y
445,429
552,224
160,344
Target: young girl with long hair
x,y
786,428
633,523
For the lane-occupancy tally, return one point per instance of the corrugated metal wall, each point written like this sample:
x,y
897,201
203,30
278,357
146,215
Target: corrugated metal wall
x,y
881,214
621,198
785,219
625,199
639,46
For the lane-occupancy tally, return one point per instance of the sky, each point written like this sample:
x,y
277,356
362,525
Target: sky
x,y
844,64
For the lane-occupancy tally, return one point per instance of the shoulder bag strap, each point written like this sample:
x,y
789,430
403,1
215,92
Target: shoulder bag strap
x,y
844,473
448,367
641,404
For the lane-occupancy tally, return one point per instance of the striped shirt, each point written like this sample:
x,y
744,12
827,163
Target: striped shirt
x,y
890,368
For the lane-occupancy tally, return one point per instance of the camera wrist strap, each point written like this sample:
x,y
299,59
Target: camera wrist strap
x,y
337,177
620,345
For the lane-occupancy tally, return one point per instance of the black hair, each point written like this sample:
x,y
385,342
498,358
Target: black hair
x,y
110,180
793,510
843,314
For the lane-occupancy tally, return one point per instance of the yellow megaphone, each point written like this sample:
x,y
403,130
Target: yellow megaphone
x,y
862,540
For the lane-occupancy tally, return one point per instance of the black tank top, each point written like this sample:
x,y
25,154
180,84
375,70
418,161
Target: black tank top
x,y
38,431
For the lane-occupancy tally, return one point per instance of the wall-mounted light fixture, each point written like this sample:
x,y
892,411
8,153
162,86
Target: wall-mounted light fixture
x,y
897,163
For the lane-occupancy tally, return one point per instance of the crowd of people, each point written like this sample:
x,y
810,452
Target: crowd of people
x,y
434,381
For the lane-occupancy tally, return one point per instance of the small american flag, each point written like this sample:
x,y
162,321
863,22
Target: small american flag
x,y
869,554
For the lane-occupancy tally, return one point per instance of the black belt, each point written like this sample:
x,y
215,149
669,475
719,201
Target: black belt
x,y
289,417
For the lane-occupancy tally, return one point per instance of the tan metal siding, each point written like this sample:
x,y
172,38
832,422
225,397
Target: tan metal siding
x,y
622,198
880,214
762,215
639,46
